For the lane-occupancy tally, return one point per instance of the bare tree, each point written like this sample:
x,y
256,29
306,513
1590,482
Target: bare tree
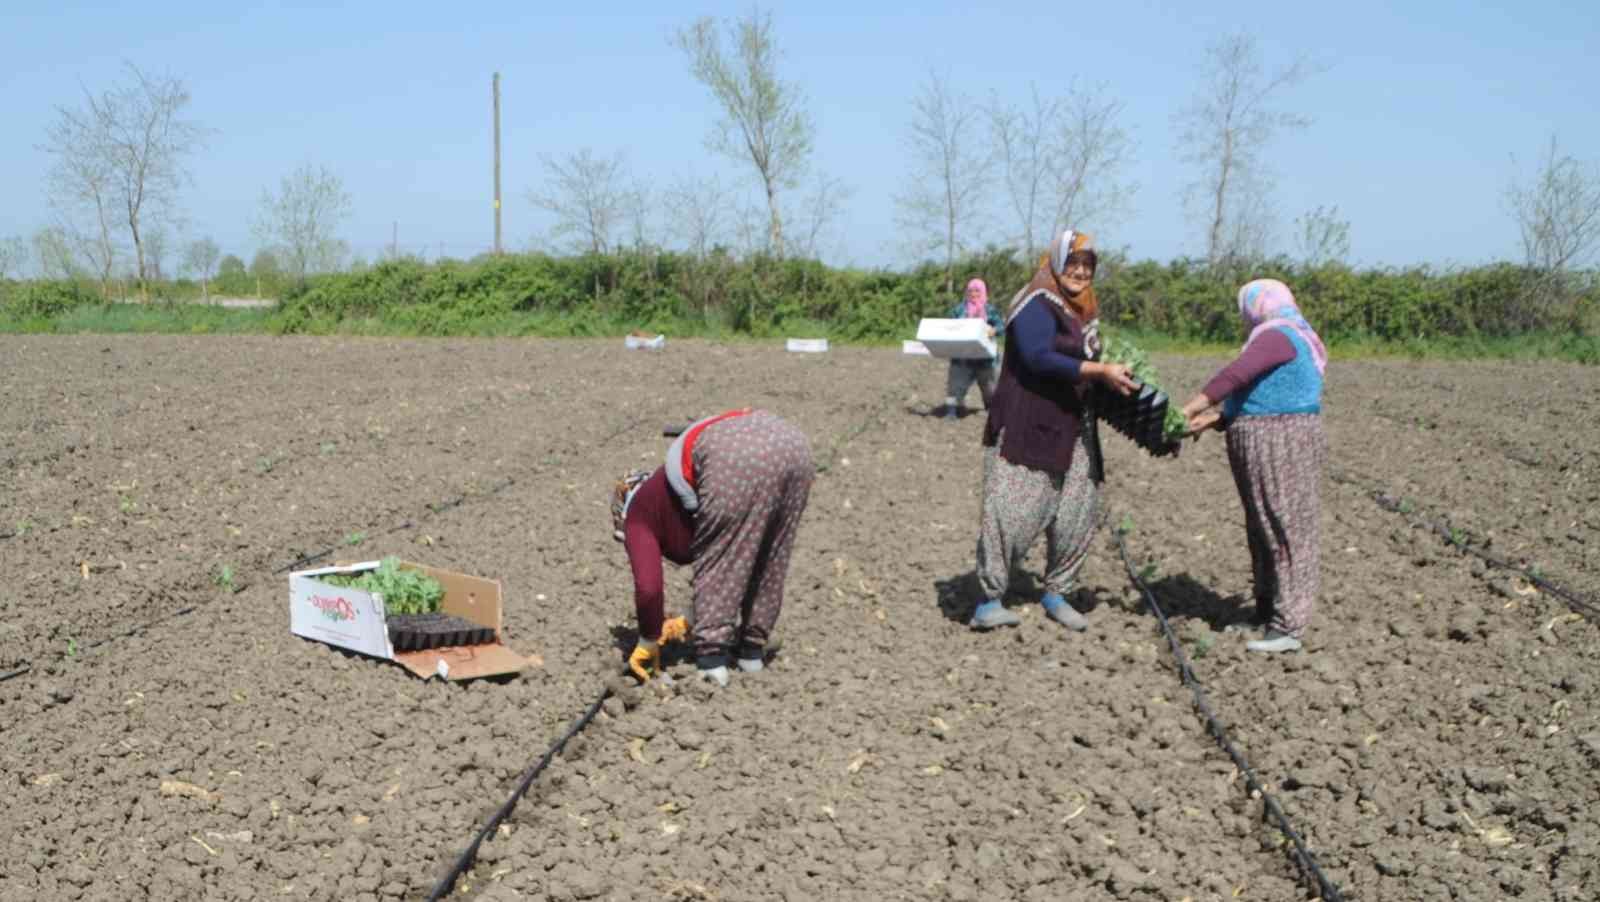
x,y
820,209
1223,131
699,207
1091,149
1022,141
200,258
81,193
155,252
1558,212
589,197
301,221
766,121
1322,236
125,151
13,256
55,256
943,197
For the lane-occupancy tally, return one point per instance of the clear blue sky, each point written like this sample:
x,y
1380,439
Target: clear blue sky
x,y
1414,125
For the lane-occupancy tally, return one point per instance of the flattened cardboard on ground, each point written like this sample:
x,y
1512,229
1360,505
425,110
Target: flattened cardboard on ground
x,y
807,345
354,619
956,339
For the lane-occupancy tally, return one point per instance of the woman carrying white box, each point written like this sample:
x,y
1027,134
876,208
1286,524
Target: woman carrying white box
x,y
982,370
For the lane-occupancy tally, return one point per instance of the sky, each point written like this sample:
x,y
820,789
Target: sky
x,y
1422,114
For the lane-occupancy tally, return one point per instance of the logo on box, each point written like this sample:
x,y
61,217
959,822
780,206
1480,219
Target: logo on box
x,y
335,609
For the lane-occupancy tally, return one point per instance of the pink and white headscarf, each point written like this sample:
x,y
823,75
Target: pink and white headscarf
x,y
1268,304
979,308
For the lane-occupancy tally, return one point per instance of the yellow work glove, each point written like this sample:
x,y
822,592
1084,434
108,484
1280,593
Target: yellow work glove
x,y
645,660
674,630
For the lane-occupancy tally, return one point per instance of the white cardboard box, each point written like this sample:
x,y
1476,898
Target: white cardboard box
x,y
354,619
957,339
644,343
807,345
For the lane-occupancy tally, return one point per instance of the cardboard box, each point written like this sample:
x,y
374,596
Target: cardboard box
x,y
354,619
957,339
807,345
644,342
915,348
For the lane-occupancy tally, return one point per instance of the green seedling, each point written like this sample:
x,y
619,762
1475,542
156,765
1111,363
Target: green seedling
x,y
1117,350
328,448
1148,572
224,577
24,527
1126,526
126,504
403,591
1457,536
72,647
1536,571
264,465
355,538
1202,645
1406,506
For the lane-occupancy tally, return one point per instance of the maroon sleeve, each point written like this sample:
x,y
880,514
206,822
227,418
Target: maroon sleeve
x,y
1271,349
644,557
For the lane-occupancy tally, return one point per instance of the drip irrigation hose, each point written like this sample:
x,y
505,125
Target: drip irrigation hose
x,y
470,853
1304,860
1396,505
15,673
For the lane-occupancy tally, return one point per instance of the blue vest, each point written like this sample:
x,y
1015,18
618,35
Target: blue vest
x,y
1294,387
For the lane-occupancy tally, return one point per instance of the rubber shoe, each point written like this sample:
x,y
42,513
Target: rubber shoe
x,y
1273,643
1065,614
951,414
751,665
992,614
718,675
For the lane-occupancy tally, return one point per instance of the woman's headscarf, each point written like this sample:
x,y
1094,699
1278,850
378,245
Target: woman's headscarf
x,y
1268,304
977,309
1069,245
622,492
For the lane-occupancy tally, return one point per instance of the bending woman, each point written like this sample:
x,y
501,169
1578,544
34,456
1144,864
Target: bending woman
x,y
728,500
1271,406
1041,463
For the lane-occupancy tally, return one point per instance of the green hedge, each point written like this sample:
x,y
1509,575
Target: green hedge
x,y
761,296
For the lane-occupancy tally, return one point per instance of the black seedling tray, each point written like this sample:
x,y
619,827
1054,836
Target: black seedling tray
x,y
415,632
1140,417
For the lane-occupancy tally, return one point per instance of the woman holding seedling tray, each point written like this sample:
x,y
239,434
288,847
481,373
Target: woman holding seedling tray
x,y
728,500
1041,463
1270,401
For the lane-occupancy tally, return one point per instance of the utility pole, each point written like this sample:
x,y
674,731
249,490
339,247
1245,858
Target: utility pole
x,y
497,164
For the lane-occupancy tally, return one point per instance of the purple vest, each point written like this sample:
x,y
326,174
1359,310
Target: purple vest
x,y
1042,416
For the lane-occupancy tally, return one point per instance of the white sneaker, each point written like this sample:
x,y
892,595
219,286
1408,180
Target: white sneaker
x,y
718,675
1273,643
751,665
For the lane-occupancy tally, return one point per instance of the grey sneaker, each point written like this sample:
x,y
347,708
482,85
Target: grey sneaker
x,y
1068,616
992,614
1274,642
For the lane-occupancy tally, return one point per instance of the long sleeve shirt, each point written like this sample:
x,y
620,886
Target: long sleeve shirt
x,y
657,527
1034,331
1270,350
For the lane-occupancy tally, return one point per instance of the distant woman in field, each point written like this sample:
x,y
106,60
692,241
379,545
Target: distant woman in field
x,y
728,500
1041,464
1269,399
982,370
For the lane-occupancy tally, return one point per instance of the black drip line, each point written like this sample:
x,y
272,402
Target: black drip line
x,y
470,853
1456,538
1304,860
